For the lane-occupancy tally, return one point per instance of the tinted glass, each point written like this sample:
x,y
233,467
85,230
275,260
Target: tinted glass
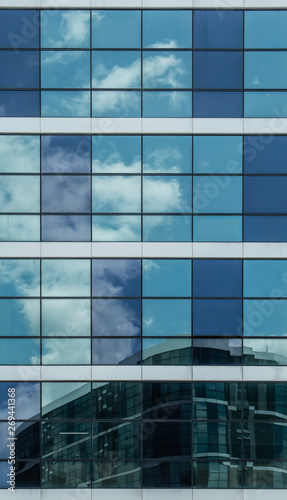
x,y
167,69
218,154
116,228
265,104
66,318
166,401
21,69
65,154
266,440
217,228
113,103
70,440
116,278
216,401
19,352
19,103
265,228
265,318
116,351
261,70
116,318
20,317
19,193
169,439
265,401
218,70
117,440
217,194
66,401
116,69
217,104
167,194
265,194
27,395
167,228
65,29
217,317
61,103
66,194
167,29
19,154
217,278
116,154
66,351
116,194
218,29
116,29
167,104
116,400
265,29
167,154
216,352
265,155
116,474
61,474
19,29
212,439
19,228
66,228
166,278
65,278
19,278
215,474
265,278
166,317
265,351
166,351
265,475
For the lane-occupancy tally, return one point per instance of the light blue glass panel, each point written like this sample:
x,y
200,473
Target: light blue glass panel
x,y
171,104
167,228
66,227
65,29
63,103
116,29
116,154
113,103
116,193
116,69
116,227
166,317
265,318
167,69
19,352
19,193
217,194
166,351
265,278
167,29
19,154
166,278
20,317
265,29
66,317
70,278
265,70
19,278
265,104
66,351
217,154
265,352
167,154
217,228
65,69
163,194
19,228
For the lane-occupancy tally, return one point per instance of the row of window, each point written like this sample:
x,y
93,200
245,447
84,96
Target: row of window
x,y
150,29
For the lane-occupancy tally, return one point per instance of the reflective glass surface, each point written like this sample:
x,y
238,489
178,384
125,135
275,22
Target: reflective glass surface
x,y
116,318
117,154
215,29
21,69
166,317
19,29
116,278
167,154
66,194
70,278
65,29
166,278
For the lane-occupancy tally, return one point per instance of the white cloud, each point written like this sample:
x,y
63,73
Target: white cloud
x,y
66,317
120,102
74,29
66,103
19,194
117,194
163,195
117,228
118,77
24,275
150,265
66,278
115,318
165,43
98,16
27,401
163,160
66,351
19,153
164,70
115,164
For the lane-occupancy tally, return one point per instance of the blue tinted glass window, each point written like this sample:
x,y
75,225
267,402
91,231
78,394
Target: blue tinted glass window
x,y
265,194
116,317
28,396
217,278
167,154
265,70
19,278
116,278
167,29
265,278
116,69
19,103
167,228
19,227
73,351
113,103
167,104
218,154
167,69
265,228
166,317
167,278
116,193
167,194
66,317
116,351
265,352
21,69
217,317
116,29
65,154
116,154
217,104
218,70
265,29
265,318
60,69
265,105
217,352
66,228
116,228
217,228
19,352
166,351
217,194
65,29
218,29
20,317
61,103
19,154
265,154
19,193
69,277
19,29
66,193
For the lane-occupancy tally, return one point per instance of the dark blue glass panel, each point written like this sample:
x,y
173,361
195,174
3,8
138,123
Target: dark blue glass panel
x,y
217,278
218,70
166,440
116,317
217,104
265,228
116,474
21,69
218,29
166,474
217,352
265,194
217,317
66,154
116,351
117,440
19,103
217,439
166,400
265,154
116,278
66,228
69,193
214,474
19,29
266,441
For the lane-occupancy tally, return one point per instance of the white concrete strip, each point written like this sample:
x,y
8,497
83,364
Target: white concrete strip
x,y
145,4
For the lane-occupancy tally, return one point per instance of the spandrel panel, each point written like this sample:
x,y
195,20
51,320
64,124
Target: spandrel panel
x,y
125,351
165,194
166,278
166,317
116,474
65,29
69,440
116,318
19,154
19,278
166,351
69,154
20,317
168,69
116,154
27,400
66,351
265,318
215,474
265,401
66,228
217,440
217,317
116,104
117,278
218,70
167,228
216,401
217,154
19,193
117,440
116,194
19,352
167,154
70,278
66,318
66,194
116,29
116,228
167,440
116,400
21,69
66,401
65,103
19,29
217,278
119,69
167,29
63,474
166,400
217,194
164,474
218,29
65,69
265,352
167,104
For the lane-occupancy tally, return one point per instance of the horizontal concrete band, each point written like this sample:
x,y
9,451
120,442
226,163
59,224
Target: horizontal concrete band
x,y
144,373
105,126
145,4
146,494
171,250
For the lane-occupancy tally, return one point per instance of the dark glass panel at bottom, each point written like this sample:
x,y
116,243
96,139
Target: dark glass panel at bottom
x,y
27,475
217,352
166,440
265,440
166,474
166,351
19,103
265,475
217,104
117,440
265,228
66,228
74,474
123,351
114,474
223,474
166,400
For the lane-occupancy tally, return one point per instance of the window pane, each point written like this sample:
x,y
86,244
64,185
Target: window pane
x,y
217,154
116,317
217,228
265,194
117,440
265,70
66,351
20,317
218,29
69,193
116,474
119,400
265,401
116,29
66,228
19,352
19,29
116,227
116,278
217,194
266,440
217,401
19,228
60,69
265,351
166,474
167,69
65,29
70,103
116,154
218,70
167,154
217,352
167,104
68,278
265,278
27,400
21,69
116,351
27,444
217,278
166,352
114,104
69,440
265,318
66,401
217,317
20,103
65,154
217,104
214,439
166,317
166,400
166,278
74,474
66,318
167,228
19,193
265,29
265,154
167,29
265,105
265,475
217,474
116,193
265,228
167,194
116,69
19,278
168,440
19,154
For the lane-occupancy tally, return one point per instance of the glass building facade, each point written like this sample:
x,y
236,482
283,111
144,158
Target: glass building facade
x,y
143,249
